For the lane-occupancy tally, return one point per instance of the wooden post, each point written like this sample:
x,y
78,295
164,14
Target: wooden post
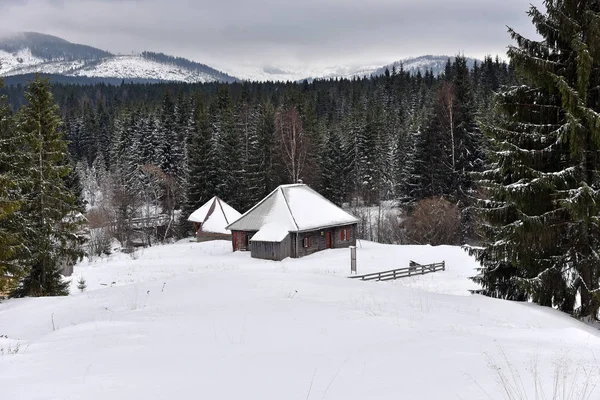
x,y
443,265
352,260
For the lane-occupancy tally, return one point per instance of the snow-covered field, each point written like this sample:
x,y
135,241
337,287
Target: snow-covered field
x,y
194,320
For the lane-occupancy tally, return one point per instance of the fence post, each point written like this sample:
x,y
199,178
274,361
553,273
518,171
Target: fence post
x,y
352,260
443,265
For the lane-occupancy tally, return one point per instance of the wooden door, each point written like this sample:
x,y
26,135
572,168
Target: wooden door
x,y
243,241
328,241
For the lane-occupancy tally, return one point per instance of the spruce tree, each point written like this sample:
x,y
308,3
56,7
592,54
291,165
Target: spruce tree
x,y
197,186
51,209
11,178
543,209
333,168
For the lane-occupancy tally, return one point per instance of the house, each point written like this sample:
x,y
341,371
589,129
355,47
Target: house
x,y
293,221
210,220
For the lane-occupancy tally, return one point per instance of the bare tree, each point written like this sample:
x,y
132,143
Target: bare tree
x,y
162,190
447,99
293,141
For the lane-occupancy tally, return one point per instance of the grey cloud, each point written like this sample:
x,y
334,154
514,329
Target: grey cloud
x,y
232,33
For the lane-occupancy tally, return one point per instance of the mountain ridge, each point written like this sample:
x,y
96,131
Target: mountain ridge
x,y
25,54
35,53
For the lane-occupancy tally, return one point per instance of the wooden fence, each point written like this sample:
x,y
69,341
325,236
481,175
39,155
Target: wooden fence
x,y
413,269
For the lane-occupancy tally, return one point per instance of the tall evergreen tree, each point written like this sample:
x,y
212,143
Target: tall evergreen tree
x,y
198,187
333,169
51,209
543,212
11,230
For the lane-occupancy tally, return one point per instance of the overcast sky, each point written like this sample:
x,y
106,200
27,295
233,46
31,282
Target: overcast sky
x,y
301,34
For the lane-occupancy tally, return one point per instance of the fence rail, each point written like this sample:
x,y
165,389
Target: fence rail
x,y
413,269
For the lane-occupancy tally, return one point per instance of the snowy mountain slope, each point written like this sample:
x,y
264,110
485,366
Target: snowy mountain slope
x,y
193,320
47,47
130,67
421,64
412,65
31,53
295,74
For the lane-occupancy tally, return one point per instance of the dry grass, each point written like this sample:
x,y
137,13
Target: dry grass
x,y
570,381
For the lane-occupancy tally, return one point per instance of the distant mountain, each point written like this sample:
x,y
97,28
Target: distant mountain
x,y
437,64
50,48
413,65
34,53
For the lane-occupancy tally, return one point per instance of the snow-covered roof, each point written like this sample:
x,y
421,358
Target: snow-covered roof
x,y
271,232
214,216
295,208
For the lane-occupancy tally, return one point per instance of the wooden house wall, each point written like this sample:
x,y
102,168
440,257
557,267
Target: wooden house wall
x,y
340,244
318,240
209,236
293,244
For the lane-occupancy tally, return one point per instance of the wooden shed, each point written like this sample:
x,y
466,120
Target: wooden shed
x,y
210,220
271,242
293,221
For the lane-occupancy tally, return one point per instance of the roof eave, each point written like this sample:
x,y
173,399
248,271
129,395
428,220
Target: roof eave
x,y
316,228
326,227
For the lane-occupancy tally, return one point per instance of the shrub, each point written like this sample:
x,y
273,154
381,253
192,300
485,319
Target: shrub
x,y
433,221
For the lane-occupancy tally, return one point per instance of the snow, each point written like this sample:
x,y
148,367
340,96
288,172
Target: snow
x,y
216,223
193,320
272,209
230,213
119,66
311,210
9,61
223,214
271,232
298,71
136,66
201,213
294,208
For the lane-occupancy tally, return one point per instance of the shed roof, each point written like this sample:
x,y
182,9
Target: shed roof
x,y
214,216
271,232
295,208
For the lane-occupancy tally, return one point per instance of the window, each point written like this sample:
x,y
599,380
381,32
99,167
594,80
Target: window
x,y
345,234
306,242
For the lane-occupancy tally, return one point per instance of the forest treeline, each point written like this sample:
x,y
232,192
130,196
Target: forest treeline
x,y
397,138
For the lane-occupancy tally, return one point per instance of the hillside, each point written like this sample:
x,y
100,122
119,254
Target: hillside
x,y
412,65
195,320
31,53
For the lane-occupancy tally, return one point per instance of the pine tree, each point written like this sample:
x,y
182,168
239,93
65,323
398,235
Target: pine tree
x,y
543,181
51,209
